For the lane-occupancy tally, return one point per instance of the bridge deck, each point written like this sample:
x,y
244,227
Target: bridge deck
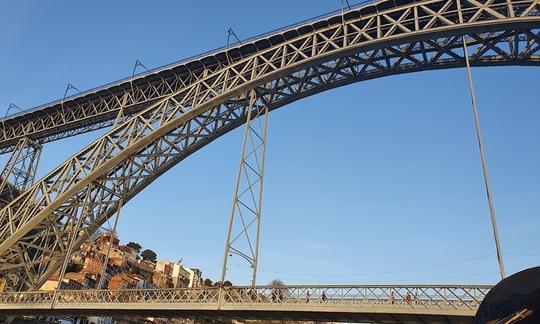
x,y
355,303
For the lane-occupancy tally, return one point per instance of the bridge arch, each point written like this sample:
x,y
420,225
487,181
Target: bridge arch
x,y
73,200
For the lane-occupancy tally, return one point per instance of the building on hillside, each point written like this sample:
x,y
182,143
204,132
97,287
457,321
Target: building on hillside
x,y
195,277
180,276
144,268
141,282
130,253
77,258
86,247
67,284
118,262
161,280
128,281
86,281
106,238
165,267
122,281
114,252
92,266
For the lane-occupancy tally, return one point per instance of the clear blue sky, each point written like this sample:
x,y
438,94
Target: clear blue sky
x,y
377,182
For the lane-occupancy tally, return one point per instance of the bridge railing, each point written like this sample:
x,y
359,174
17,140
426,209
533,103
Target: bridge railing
x,y
466,298
440,297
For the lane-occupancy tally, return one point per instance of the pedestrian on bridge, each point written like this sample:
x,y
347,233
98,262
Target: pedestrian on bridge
x,y
323,297
408,298
308,296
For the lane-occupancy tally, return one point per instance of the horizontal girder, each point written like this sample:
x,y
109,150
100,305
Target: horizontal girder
x,y
97,108
367,303
427,35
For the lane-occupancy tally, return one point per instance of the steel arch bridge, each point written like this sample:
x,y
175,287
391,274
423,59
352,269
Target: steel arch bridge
x,y
170,113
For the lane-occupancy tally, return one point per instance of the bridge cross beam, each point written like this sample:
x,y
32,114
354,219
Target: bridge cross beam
x,y
245,220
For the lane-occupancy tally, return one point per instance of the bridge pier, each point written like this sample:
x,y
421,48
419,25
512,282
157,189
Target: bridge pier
x,y
245,219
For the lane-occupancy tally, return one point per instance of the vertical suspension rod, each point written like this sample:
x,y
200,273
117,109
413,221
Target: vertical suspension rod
x,y
484,161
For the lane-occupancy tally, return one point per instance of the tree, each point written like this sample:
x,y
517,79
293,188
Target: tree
x,y
277,283
227,283
149,255
135,245
278,290
208,282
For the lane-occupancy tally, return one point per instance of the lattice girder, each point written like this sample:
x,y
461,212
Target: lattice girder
x,y
422,300
98,108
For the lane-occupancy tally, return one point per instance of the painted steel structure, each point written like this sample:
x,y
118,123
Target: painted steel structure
x,y
20,170
97,108
245,221
344,303
179,109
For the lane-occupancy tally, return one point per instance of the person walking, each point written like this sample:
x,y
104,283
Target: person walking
x,y
392,298
323,297
408,298
308,296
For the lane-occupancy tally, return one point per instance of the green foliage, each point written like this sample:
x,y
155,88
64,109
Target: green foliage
x,y
277,283
149,255
135,245
208,282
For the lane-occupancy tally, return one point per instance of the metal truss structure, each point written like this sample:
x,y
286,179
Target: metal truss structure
x,y
97,108
361,303
178,117
20,170
245,221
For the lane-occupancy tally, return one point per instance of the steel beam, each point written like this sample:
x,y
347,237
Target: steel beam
x,y
340,302
245,220
483,159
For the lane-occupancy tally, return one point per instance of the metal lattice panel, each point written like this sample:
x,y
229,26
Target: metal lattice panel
x,y
244,225
419,36
20,170
405,299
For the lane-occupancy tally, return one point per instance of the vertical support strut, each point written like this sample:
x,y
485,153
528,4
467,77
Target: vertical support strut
x,y
484,162
20,171
245,220
111,239
76,222
120,117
